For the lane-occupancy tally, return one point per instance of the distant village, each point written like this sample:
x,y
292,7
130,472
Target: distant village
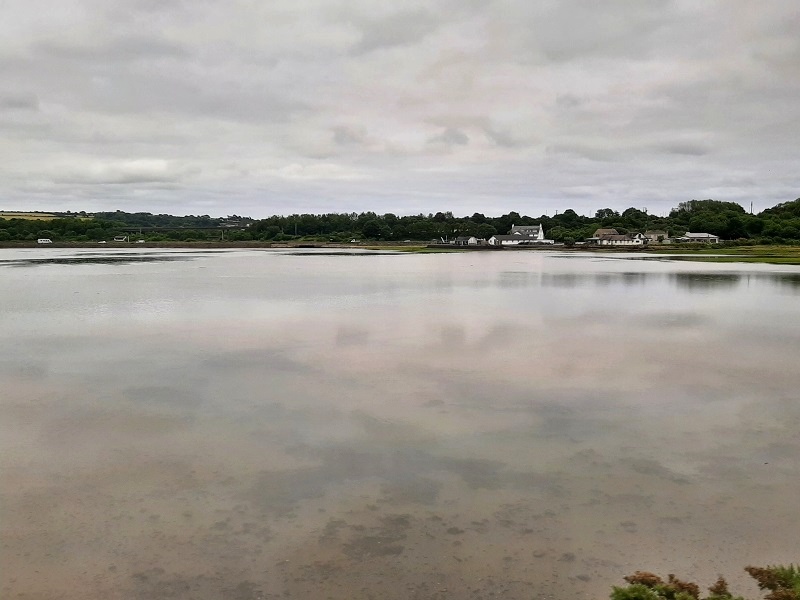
x,y
533,235
704,221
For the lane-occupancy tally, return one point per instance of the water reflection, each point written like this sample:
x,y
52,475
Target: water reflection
x,y
575,280
96,259
789,282
691,281
255,424
706,281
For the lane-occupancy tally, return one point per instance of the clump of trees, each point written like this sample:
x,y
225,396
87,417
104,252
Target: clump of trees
x,y
777,225
782,583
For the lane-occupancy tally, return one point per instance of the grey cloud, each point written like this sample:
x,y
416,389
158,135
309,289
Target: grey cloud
x,y
585,151
401,29
570,29
19,101
152,5
451,137
366,105
349,136
125,48
119,172
454,134
104,83
503,138
684,148
568,101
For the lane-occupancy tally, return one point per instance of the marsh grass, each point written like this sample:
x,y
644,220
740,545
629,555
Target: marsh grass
x,y
777,255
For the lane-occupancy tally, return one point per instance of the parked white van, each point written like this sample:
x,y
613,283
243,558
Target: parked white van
x,y
44,241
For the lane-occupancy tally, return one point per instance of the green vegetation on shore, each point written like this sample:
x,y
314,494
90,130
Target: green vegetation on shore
x,y
782,583
771,254
776,226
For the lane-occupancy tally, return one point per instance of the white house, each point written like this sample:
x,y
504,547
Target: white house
x,y
628,239
532,231
600,234
466,240
656,236
706,238
505,240
521,235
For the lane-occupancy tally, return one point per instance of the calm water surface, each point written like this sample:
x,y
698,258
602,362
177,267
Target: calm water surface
x,y
265,424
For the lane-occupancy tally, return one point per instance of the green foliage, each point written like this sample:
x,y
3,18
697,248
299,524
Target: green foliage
x,y
635,591
783,583
371,229
777,225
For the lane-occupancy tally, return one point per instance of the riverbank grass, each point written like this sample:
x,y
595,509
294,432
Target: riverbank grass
x,y
776,255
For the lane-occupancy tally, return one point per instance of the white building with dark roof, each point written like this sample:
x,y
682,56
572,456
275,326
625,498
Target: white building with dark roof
x,y
706,238
521,235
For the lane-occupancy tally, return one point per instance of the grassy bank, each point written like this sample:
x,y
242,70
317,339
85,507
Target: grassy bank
x,y
776,255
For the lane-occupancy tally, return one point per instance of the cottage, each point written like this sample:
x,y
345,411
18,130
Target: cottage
x,y
656,236
517,240
705,238
521,235
628,239
466,240
599,233
505,240
531,231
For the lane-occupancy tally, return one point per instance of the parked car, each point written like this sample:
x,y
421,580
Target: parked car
x,y
44,241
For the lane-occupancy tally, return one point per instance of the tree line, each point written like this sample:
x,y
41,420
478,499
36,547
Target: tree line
x,y
728,220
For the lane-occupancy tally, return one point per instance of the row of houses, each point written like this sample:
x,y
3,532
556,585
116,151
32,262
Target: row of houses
x,y
611,237
533,235
520,235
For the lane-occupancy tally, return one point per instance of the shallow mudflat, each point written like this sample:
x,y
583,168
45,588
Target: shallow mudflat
x,y
264,424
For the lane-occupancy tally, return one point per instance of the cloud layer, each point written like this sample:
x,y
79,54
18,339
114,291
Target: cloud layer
x,y
308,106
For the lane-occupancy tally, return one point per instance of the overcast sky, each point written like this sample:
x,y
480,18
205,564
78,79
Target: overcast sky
x,y
262,107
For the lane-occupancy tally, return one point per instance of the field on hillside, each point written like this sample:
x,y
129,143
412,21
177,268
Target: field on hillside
x,y
32,216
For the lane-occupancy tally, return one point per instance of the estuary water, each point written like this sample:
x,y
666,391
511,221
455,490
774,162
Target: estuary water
x,y
277,424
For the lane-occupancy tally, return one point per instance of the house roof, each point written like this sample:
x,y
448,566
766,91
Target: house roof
x,y
607,231
699,235
528,230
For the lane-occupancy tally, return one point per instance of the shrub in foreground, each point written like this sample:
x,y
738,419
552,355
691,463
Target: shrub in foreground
x,y
782,583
